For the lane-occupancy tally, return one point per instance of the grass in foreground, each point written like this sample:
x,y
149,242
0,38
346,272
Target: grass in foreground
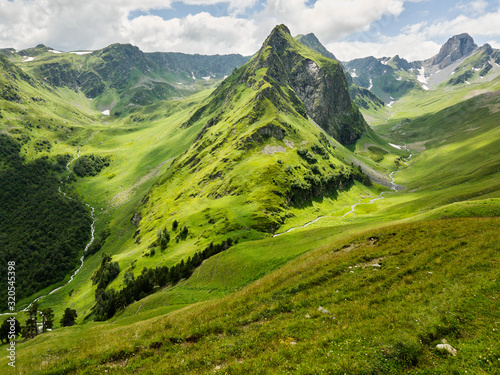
x,y
393,293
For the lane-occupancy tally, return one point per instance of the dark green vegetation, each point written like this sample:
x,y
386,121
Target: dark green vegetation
x,y
325,273
5,330
43,232
108,302
90,165
69,317
258,155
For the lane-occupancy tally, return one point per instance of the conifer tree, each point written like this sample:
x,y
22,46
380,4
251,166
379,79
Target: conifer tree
x,y
68,318
31,328
47,319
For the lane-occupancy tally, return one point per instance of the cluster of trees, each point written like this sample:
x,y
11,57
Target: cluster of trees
x,y
31,329
107,272
320,184
90,165
150,279
42,231
163,237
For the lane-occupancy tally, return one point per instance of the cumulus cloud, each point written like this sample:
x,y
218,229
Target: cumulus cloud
x,y
330,20
68,24
200,33
418,41
483,25
71,24
475,8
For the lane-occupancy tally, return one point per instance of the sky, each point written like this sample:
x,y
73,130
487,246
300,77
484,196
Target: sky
x,y
413,29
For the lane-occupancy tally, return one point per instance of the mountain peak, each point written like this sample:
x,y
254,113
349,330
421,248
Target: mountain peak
x,y
279,38
310,40
455,48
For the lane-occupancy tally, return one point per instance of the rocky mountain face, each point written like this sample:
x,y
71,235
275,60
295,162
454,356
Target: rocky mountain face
x,y
199,66
381,76
322,90
310,40
455,48
361,96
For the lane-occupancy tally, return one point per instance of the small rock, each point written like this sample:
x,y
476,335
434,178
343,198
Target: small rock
x,y
217,367
308,316
323,310
376,265
445,347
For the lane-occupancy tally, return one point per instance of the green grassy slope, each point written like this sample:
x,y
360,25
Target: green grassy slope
x,y
257,156
393,293
141,147
460,161
121,78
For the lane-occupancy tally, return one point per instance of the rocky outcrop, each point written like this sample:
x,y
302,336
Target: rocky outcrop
x,y
319,83
311,41
455,48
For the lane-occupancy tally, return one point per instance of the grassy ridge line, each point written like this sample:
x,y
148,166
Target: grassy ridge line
x,y
436,281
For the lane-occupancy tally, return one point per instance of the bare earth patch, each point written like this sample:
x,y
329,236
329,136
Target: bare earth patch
x,y
124,196
270,150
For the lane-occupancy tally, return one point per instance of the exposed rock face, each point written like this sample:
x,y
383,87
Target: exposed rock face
x,y
320,84
455,48
311,41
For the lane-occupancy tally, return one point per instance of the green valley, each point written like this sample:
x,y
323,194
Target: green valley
x,y
263,215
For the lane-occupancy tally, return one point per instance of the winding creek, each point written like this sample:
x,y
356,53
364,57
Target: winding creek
x,y
92,230
394,187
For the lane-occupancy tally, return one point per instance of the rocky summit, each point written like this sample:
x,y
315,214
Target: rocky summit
x,y
455,48
322,89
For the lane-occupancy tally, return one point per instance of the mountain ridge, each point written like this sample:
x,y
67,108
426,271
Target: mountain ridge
x,y
392,78
257,145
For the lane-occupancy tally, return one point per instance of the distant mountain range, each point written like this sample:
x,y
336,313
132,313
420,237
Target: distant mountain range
x,y
133,78
460,61
122,75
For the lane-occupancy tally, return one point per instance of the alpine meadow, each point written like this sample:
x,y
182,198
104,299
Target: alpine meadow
x,y
280,213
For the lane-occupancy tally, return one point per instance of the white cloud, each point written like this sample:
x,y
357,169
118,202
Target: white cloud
x,y
330,20
474,8
484,25
200,33
91,24
419,41
70,25
412,47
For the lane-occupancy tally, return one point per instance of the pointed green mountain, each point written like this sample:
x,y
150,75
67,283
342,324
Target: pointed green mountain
x,y
259,153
